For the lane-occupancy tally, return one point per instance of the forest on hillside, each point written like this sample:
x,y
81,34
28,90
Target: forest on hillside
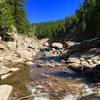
x,y
12,13
84,24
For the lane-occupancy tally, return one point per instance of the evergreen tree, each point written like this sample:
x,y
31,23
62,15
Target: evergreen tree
x,y
6,18
12,13
19,15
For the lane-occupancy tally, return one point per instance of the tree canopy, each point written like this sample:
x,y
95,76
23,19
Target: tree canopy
x,y
84,24
12,13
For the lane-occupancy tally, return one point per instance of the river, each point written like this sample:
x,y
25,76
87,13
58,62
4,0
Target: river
x,y
48,79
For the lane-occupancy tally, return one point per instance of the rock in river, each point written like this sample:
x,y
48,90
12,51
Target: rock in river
x,y
29,63
5,92
57,45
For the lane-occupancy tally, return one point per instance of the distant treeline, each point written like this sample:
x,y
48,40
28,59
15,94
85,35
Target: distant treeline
x,y
49,29
84,24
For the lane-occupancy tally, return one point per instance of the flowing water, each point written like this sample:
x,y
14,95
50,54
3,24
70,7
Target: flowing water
x,y
54,81
48,79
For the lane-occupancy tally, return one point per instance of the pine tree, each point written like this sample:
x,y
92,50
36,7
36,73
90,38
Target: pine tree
x,y
12,13
6,18
19,15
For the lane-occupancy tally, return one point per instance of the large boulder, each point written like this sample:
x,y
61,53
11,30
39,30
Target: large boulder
x,y
5,92
57,45
85,45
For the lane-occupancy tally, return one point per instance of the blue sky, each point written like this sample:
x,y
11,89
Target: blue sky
x,y
49,10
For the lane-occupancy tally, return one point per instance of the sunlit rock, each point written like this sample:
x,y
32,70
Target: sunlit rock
x,y
57,45
5,92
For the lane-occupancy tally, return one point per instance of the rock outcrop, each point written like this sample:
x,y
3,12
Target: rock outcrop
x,y
20,49
84,55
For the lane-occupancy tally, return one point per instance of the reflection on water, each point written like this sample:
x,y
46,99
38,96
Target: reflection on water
x,y
67,75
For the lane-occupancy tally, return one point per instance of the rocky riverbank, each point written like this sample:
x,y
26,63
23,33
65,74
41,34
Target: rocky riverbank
x,y
20,50
58,68
16,52
84,56
55,80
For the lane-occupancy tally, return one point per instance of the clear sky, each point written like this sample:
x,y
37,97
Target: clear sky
x,y
49,10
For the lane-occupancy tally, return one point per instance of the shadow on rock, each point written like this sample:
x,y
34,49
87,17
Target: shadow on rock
x,y
49,58
92,75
